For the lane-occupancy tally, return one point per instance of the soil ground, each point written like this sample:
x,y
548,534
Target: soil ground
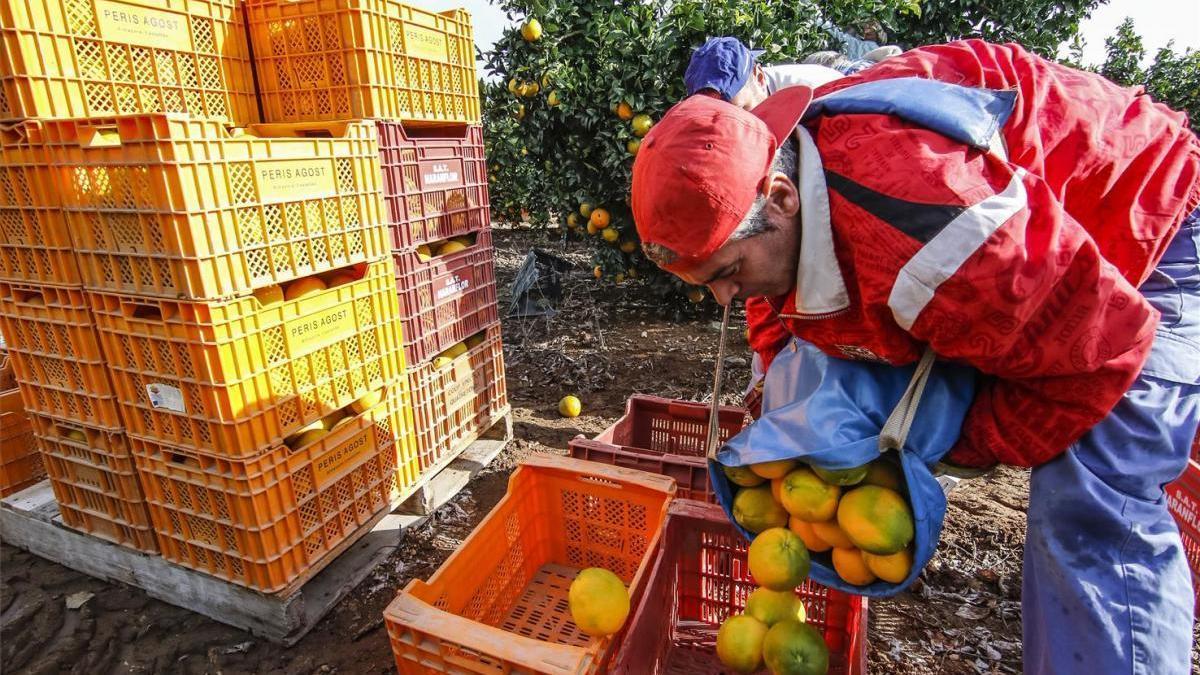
x,y
607,342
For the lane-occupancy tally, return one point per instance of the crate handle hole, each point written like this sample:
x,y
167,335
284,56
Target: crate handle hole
x,y
596,480
29,297
101,137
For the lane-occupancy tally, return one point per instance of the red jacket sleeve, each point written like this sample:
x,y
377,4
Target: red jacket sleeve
x,y
767,333
1002,278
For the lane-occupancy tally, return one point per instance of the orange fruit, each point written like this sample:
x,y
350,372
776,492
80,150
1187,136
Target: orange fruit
x,y
884,473
743,476
597,272
778,559
776,469
805,531
610,235
771,607
795,648
633,146
852,567
628,246
641,125
829,531
532,30
599,602
303,288
624,111
776,486
842,477
876,519
599,218
755,510
807,497
739,643
892,568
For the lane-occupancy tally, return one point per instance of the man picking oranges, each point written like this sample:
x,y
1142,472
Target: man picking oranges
x,y
1035,222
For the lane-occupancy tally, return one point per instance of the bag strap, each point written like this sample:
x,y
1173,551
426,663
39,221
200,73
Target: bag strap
x,y
895,429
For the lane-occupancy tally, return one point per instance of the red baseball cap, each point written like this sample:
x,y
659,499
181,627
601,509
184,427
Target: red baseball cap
x,y
700,168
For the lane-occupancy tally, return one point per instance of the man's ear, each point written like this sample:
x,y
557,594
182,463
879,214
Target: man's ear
x,y
783,199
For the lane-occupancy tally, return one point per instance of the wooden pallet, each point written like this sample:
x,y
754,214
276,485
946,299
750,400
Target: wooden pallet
x,y
29,520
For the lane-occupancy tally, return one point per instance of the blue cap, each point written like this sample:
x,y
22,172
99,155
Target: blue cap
x,y
722,64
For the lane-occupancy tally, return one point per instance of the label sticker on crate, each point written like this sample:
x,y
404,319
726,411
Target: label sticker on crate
x,y
440,173
462,386
340,460
315,331
450,286
143,26
424,43
165,397
292,180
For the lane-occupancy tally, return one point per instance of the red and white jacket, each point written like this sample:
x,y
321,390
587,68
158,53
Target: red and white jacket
x,y
1022,261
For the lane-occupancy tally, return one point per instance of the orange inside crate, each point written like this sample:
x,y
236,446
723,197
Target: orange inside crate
x,y
699,578
454,403
174,207
35,244
499,603
235,377
384,59
85,58
265,521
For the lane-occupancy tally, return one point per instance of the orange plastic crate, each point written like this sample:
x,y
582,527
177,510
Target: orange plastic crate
x,y
20,462
435,182
699,578
1183,501
88,58
233,378
453,404
55,354
35,245
173,207
447,298
54,320
264,522
95,482
499,603
343,59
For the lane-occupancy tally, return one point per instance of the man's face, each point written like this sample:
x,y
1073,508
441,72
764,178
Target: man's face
x,y
753,92
761,265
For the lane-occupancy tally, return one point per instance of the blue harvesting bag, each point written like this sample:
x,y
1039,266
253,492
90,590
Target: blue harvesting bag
x,y
839,414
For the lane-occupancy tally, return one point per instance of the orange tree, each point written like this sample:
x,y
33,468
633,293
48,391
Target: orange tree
x,y
565,114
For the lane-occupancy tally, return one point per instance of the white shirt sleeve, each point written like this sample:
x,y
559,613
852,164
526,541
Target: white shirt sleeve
x,y
791,74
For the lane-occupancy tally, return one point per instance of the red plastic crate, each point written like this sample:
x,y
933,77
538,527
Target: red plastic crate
x,y
699,578
662,425
453,404
434,181
446,299
664,436
1183,500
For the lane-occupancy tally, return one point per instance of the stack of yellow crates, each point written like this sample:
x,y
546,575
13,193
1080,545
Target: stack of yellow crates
x,y
411,73
234,278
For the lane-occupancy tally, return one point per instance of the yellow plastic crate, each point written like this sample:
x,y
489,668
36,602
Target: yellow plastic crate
x,y
233,378
340,59
266,521
88,58
173,207
35,244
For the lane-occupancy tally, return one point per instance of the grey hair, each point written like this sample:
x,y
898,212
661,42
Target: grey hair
x,y
755,223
